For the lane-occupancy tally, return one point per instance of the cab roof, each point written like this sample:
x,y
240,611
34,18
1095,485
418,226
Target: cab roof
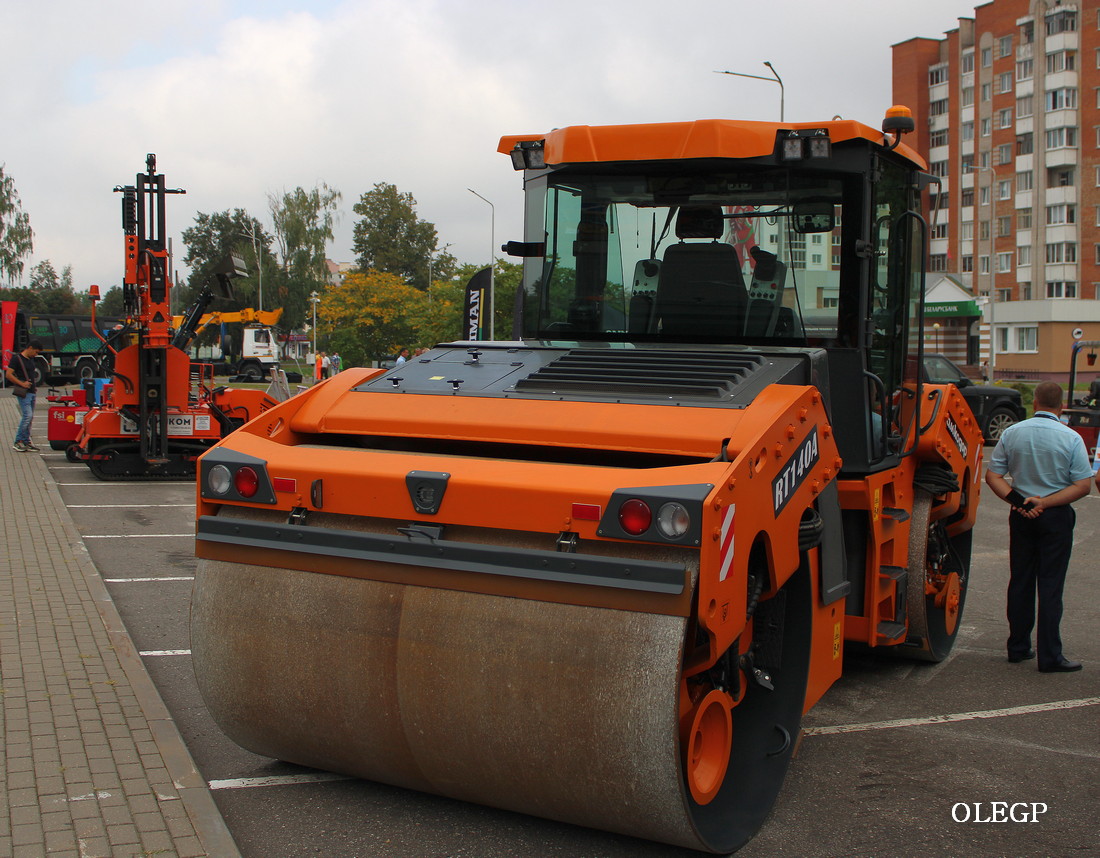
x,y
704,138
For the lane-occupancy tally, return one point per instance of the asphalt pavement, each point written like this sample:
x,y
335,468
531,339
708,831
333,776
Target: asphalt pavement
x,y
973,756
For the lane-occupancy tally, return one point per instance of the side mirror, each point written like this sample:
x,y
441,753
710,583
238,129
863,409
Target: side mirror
x,y
813,217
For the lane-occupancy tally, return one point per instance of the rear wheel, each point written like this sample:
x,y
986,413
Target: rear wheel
x,y
937,582
86,368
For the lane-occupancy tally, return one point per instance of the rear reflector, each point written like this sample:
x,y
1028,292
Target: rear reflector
x,y
586,511
284,484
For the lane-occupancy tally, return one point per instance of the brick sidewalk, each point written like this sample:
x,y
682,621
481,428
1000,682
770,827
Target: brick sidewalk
x,y
91,764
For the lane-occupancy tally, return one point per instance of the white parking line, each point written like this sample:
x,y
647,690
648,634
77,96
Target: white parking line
x,y
950,718
284,780
124,505
152,652
138,535
145,580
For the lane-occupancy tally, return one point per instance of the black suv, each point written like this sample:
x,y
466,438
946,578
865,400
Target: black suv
x,y
996,408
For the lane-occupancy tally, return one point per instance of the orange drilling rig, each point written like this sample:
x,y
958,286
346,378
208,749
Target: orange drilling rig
x,y
161,411
599,573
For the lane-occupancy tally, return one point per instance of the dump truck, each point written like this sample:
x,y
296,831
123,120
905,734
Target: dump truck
x,y
71,351
599,573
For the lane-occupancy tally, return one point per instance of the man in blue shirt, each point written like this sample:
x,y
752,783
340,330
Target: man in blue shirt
x,y
1050,470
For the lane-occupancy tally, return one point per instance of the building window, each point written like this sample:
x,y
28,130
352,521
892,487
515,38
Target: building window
x,y
1004,262
1060,177
1025,69
1061,252
1004,295
1064,21
1098,253
1004,225
937,74
966,131
1061,99
1024,105
966,198
1002,339
1025,291
1061,138
1024,181
987,57
966,164
1004,118
938,107
1004,46
1027,339
1098,215
1027,33
968,264
1025,143
1061,213
938,168
1004,189
984,158
983,199
939,230
983,265
966,64
1023,218
1059,61
1004,154
966,230
1023,255
987,91
967,95
1061,289
938,138
937,262
1004,82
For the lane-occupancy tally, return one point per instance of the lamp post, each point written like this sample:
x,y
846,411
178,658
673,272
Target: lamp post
x,y
251,234
992,270
777,79
936,328
492,263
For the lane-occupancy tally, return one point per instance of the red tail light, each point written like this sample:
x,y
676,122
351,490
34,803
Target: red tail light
x,y
246,481
635,516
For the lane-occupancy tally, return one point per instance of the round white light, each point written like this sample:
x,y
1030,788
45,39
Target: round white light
x,y
673,520
219,479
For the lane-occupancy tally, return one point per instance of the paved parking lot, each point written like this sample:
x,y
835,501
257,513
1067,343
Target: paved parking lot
x,y
899,759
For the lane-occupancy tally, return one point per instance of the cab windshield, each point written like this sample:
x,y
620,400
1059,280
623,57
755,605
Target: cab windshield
x,y
749,256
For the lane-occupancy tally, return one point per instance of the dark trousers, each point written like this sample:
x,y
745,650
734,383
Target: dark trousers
x,y
1039,551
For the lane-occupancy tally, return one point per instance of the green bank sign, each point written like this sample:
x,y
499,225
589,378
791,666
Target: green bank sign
x,y
953,308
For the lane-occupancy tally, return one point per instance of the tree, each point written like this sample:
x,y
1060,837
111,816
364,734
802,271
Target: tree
x,y
368,317
16,235
210,241
303,221
391,238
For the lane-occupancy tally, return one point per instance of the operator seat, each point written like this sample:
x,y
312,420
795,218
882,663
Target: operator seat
x,y
700,290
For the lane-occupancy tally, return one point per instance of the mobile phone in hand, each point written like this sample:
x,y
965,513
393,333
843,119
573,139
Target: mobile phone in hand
x,y
1018,500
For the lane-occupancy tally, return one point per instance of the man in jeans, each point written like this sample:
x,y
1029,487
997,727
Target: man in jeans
x,y
20,374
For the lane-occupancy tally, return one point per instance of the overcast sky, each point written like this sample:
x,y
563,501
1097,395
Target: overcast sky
x,y
242,98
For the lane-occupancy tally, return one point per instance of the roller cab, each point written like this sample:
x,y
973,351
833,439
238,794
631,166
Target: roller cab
x,y
597,573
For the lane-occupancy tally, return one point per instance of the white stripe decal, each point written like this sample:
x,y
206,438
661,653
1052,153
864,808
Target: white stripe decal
x,y
957,716
139,535
727,542
145,580
152,652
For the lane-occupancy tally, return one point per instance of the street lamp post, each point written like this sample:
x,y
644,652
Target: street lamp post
x,y
777,79
992,270
251,234
492,263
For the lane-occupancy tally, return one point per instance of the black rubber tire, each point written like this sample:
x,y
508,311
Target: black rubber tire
x,y
999,420
85,368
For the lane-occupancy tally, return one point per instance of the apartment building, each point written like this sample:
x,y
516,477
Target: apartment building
x,y
1008,116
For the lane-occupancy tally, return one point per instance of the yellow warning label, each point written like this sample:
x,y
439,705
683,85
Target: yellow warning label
x,y
836,641
876,504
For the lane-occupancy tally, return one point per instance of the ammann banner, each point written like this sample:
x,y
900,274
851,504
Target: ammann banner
x,y
477,291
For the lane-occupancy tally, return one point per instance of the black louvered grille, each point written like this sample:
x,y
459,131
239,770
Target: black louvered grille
x,y
679,374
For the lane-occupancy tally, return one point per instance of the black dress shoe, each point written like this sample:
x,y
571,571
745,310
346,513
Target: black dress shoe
x,y
1016,659
1063,665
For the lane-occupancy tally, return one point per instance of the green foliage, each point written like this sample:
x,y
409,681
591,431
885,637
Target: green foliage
x,y
1027,392
16,235
111,303
210,241
389,237
304,221
55,301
